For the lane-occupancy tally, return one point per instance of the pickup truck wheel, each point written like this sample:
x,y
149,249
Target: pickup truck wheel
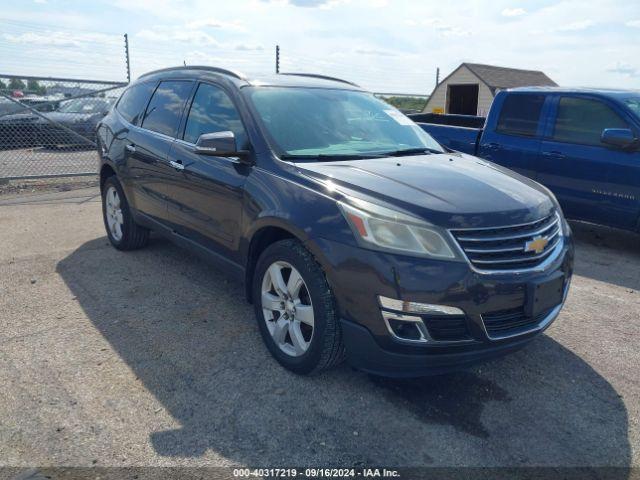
x,y
123,232
296,310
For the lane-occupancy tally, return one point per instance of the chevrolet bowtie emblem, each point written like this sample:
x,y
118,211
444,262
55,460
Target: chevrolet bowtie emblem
x,y
536,245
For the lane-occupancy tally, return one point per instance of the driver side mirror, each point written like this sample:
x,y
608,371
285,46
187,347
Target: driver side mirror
x,y
618,137
219,144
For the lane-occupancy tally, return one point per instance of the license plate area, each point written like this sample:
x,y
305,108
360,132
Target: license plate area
x,y
543,296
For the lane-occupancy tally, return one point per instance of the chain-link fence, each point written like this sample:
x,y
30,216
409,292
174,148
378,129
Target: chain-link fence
x,y
48,125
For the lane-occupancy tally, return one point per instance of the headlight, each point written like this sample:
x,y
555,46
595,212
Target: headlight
x,y
385,229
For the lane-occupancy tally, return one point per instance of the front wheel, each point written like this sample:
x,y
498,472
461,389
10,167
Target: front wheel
x,y
295,309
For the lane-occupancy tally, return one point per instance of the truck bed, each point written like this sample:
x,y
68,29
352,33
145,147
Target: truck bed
x,y
462,139
469,121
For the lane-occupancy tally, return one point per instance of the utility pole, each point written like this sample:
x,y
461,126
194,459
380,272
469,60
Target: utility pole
x,y
277,58
437,76
126,51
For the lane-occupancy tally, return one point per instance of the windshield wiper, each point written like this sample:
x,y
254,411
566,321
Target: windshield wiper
x,y
329,156
410,151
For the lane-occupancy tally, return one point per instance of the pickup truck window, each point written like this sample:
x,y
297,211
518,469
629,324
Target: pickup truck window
x,y
213,111
582,120
310,122
165,108
520,114
634,104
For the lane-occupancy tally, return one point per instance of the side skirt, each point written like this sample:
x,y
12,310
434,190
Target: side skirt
x,y
226,266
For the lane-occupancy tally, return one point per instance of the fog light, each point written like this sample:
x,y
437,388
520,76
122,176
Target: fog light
x,y
415,307
406,327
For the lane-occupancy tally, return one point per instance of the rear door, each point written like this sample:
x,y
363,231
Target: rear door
x,y
512,138
592,181
148,147
205,198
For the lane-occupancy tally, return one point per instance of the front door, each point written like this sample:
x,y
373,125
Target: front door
x,y
205,197
149,145
593,181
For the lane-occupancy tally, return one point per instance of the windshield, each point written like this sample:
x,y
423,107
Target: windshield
x,y
84,105
312,122
634,104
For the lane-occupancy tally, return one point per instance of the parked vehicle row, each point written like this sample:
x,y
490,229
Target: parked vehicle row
x,y
356,233
72,123
583,144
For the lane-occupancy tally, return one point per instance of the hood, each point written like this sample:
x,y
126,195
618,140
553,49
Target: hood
x,y
62,117
19,118
450,190
59,117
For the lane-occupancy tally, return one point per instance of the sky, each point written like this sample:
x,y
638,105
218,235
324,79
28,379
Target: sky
x,y
386,46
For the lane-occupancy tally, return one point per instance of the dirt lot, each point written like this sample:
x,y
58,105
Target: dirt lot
x,y
153,358
47,161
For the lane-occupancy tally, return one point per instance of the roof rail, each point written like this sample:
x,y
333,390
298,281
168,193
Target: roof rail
x,y
324,77
225,71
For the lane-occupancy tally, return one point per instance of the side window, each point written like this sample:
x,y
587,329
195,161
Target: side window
x,y
581,120
133,100
166,105
213,111
520,114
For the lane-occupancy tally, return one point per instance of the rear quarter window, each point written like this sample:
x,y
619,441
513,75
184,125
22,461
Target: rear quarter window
x,y
133,100
520,115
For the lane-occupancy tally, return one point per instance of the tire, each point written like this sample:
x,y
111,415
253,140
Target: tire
x,y
323,347
129,235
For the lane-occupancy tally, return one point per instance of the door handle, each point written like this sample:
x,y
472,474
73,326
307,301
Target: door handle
x,y
131,148
554,155
493,146
177,165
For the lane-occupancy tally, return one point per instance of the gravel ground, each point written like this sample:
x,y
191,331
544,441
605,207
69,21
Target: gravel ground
x,y
154,358
47,161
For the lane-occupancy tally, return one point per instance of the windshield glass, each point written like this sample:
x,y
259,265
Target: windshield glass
x,y
634,104
84,105
323,122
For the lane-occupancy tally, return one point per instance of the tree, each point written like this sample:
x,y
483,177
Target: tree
x,y
16,84
35,87
3,86
407,103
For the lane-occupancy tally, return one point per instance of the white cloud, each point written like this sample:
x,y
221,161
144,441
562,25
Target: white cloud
x,y
177,34
576,26
248,48
214,23
439,25
324,4
375,52
513,12
346,38
54,38
624,68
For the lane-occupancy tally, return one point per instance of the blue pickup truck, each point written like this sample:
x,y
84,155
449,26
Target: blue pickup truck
x,y
582,144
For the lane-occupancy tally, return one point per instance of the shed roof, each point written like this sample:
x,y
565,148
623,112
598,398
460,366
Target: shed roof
x,y
503,77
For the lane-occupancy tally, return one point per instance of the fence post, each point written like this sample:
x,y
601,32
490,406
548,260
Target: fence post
x,y
277,58
126,51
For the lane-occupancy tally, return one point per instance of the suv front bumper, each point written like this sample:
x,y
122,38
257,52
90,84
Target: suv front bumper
x,y
358,277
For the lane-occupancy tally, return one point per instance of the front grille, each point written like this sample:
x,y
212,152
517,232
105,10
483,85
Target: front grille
x,y
503,323
447,328
505,248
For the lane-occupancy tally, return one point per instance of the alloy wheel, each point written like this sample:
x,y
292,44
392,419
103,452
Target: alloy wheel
x,y
113,212
287,308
